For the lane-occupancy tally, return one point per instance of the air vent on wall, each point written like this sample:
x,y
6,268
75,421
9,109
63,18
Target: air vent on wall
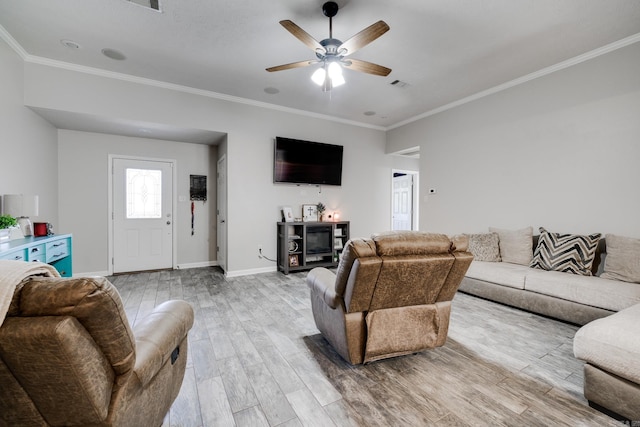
x,y
151,4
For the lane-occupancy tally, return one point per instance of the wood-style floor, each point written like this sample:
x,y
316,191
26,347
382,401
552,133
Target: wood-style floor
x,y
257,359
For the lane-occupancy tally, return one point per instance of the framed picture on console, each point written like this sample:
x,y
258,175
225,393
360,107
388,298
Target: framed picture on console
x,y
309,213
287,214
293,260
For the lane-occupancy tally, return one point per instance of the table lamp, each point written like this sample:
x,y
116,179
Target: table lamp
x,y
21,207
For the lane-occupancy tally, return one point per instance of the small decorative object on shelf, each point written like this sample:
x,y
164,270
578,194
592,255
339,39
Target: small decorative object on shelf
x,y
309,213
321,208
6,223
287,214
293,260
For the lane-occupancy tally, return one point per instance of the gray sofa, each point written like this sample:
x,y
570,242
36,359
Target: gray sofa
x,y
609,341
569,297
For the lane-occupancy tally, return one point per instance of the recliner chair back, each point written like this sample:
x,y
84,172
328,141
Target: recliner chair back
x,y
392,294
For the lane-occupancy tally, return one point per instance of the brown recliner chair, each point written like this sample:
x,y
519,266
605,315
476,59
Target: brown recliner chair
x,y
68,356
391,295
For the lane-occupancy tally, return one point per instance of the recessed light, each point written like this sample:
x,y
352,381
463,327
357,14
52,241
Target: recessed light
x,y
369,113
113,54
70,44
271,90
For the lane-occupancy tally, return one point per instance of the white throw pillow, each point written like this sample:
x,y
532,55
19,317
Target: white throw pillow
x,y
516,246
623,259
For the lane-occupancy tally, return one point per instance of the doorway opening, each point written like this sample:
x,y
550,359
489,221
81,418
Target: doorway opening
x,y
141,205
404,195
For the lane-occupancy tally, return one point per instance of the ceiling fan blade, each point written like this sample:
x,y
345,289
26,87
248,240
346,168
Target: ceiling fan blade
x,y
366,67
292,65
364,37
301,35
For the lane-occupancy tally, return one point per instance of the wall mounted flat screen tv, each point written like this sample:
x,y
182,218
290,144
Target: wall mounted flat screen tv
x,y
305,162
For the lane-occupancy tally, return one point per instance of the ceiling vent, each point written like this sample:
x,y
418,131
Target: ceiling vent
x,y
151,4
398,83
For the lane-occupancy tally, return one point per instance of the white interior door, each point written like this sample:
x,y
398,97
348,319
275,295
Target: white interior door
x,y
402,202
221,216
142,215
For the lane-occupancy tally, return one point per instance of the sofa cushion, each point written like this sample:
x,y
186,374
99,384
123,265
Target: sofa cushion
x,y
516,246
484,247
612,343
569,253
595,291
501,273
623,259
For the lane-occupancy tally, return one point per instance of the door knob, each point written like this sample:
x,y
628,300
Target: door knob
x,y
168,222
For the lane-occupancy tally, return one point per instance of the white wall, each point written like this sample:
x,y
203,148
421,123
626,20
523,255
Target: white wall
x,y
560,151
28,147
253,200
84,179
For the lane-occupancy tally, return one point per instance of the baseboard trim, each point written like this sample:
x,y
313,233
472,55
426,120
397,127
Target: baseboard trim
x,y
91,274
238,273
197,265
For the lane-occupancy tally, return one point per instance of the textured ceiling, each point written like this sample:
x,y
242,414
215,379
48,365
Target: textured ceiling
x,y
444,50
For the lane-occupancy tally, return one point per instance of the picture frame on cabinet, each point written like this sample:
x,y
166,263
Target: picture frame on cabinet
x,y
309,213
287,214
293,261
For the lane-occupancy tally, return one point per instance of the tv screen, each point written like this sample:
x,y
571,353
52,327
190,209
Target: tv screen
x,y
306,162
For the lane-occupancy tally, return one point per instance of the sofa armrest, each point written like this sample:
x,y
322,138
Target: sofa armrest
x,y
158,336
322,282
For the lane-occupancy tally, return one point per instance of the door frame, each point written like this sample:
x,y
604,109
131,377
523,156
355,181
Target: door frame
x,y
222,241
110,214
415,214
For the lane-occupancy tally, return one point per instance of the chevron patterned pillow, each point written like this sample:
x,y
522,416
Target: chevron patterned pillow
x,y
568,253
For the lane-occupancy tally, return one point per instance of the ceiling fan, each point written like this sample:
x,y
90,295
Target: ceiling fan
x,y
332,53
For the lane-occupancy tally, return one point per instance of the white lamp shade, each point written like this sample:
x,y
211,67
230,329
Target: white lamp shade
x,y
20,205
318,76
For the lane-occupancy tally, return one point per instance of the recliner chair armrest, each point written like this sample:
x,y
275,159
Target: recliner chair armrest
x,y
158,336
323,282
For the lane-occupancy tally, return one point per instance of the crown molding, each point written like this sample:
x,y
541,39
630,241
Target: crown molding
x,y
8,38
259,104
190,90
4,34
532,76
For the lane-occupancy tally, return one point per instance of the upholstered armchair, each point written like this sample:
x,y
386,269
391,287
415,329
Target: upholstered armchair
x,y
68,356
391,294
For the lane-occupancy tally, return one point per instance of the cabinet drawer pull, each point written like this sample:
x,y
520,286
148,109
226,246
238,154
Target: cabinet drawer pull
x,y
55,245
58,255
34,250
18,257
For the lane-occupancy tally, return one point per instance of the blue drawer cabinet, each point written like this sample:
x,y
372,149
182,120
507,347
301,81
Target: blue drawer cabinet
x,y
55,250
18,255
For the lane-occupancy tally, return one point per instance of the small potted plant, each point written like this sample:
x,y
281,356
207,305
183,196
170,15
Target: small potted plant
x,y
6,223
321,209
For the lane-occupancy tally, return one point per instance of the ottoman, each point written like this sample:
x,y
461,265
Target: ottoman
x,y
611,349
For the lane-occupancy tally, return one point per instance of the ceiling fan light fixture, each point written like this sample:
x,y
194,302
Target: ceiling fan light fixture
x,y
335,70
318,76
328,76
